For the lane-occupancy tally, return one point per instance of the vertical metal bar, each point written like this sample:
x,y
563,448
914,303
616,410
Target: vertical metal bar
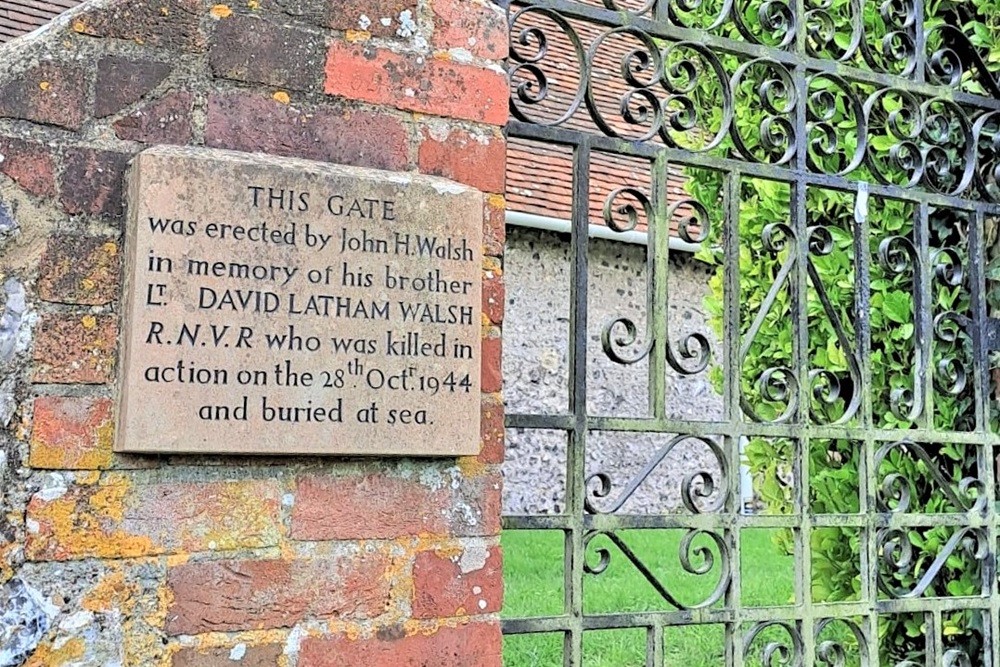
x,y
920,42
986,460
659,266
731,392
935,634
576,455
654,646
867,474
923,285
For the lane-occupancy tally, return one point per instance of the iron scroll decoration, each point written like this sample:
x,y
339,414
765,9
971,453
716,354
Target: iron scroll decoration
x,y
879,104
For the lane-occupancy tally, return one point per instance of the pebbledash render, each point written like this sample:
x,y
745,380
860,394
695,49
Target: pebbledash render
x,y
112,559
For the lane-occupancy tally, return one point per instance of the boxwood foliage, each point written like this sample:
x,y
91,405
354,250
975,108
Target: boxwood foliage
x,y
835,467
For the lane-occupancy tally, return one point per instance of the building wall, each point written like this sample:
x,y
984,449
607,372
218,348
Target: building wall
x,y
536,364
111,560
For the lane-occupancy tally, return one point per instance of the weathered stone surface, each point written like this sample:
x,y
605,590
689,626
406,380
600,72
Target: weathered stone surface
x,y
258,124
241,655
25,617
475,26
170,23
380,18
30,164
122,82
93,181
294,331
118,519
248,48
458,584
71,349
417,83
52,93
223,596
472,645
71,433
81,270
478,160
163,121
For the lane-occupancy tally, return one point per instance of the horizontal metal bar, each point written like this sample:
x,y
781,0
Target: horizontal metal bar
x,y
649,150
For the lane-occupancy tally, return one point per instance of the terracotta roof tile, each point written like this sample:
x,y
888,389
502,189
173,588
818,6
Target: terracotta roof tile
x,y
19,17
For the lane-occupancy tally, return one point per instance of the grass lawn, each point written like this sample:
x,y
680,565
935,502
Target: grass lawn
x,y
533,569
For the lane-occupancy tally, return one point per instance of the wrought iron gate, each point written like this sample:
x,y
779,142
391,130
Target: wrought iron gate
x,y
841,157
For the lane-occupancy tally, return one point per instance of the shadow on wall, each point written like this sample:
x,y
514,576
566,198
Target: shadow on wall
x,y
536,371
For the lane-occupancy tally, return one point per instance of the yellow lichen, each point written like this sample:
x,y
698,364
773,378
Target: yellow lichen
x,y
88,322
47,655
254,5
221,11
471,466
496,202
357,36
79,26
45,85
282,97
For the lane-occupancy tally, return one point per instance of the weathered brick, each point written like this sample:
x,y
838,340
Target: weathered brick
x,y
31,165
267,655
369,507
123,81
117,519
51,93
71,433
458,584
478,26
382,18
224,596
252,123
71,349
163,121
478,160
316,12
81,270
165,24
478,507
471,645
416,83
248,48
493,295
494,226
93,181
492,371
492,430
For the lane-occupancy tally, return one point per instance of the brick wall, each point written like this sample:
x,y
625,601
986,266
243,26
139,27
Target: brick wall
x,y
198,561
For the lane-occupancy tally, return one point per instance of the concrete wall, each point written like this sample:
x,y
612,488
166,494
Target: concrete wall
x,y
536,344
112,560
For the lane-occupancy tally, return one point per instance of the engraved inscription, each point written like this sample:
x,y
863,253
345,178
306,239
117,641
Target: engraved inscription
x,y
286,307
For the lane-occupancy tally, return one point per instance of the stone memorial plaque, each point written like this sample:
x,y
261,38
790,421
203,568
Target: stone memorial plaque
x,y
279,306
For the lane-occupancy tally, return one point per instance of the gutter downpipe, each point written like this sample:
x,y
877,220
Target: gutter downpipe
x,y
548,224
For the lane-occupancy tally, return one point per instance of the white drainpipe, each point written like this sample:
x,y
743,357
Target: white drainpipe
x,y
596,231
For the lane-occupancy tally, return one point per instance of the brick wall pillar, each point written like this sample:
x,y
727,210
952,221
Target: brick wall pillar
x,y
201,561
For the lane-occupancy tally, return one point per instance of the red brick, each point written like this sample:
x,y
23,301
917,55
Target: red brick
x,y
248,48
31,165
229,596
447,585
170,24
476,160
52,93
80,270
494,226
482,497
256,124
117,519
478,27
492,430
492,375
267,655
493,296
417,83
369,507
75,349
71,433
93,181
163,121
471,645
123,81
346,15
